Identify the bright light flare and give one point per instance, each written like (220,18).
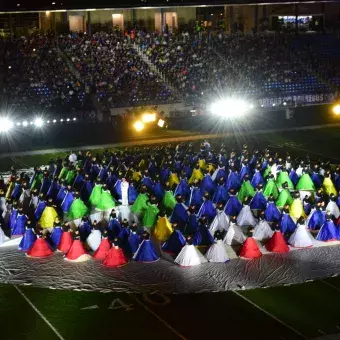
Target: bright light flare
(336,109)
(161,123)
(25,123)
(139,126)
(148,117)
(5,124)
(230,108)
(38,122)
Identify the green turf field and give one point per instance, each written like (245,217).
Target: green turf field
(305,311)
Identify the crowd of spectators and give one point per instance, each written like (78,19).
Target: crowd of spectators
(106,69)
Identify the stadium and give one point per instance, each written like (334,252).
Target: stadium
(168,168)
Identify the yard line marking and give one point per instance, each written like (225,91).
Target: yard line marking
(39,313)
(160,319)
(321,332)
(337,327)
(329,284)
(269,314)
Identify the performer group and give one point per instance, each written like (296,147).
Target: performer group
(196,204)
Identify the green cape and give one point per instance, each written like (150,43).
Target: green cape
(270,189)
(77,210)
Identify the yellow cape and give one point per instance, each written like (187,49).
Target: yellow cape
(10,189)
(328,186)
(163,229)
(201,163)
(136,176)
(210,167)
(196,174)
(48,217)
(173,179)
(296,209)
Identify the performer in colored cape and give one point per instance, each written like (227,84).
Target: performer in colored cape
(328,232)
(207,208)
(78,209)
(103,248)
(163,228)
(28,239)
(246,217)
(175,242)
(250,249)
(262,230)
(287,225)
(95,237)
(202,236)
(56,233)
(146,251)
(221,221)
(115,256)
(190,255)
(218,251)
(277,243)
(234,234)
(272,213)
(77,252)
(48,216)
(66,239)
(40,248)
(301,238)
(233,206)
(20,223)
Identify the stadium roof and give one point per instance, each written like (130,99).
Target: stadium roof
(27,5)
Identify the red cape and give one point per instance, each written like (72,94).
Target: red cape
(102,250)
(65,242)
(250,249)
(77,249)
(338,221)
(40,248)
(114,258)
(277,243)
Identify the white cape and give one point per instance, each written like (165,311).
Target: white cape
(263,231)
(220,222)
(190,256)
(246,217)
(333,209)
(217,252)
(234,235)
(94,239)
(301,238)
(3,237)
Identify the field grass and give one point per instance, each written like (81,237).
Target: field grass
(304,311)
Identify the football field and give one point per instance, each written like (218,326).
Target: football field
(305,311)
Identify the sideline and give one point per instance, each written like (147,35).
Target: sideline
(179,335)
(165,139)
(269,314)
(39,313)
(329,284)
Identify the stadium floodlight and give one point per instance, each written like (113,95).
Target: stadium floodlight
(161,123)
(336,109)
(139,126)
(68,119)
(25,123)
(61,120)
(148,117)
(31,123)
(74,119)
(48,122)
(54,120)
(5,124)
(18,123)
(230,108)
(38,122)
